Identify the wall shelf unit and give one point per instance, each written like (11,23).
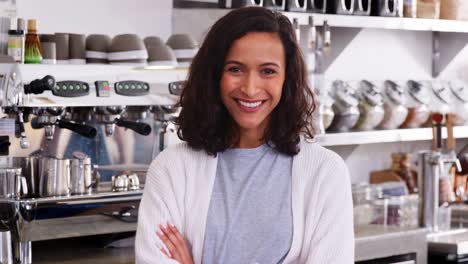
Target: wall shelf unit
(384,136)
(448,36)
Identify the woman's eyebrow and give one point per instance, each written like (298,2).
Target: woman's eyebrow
(269,64)
(233,62)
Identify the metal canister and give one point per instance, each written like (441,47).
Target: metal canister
(81,175)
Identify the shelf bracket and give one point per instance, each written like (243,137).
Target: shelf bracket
(445,47)
(340,38)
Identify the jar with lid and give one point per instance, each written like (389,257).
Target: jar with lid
(323,115)
(441,97)
(460,102)
(410,8)
(366,208)
(16,45)
(394,105)
(428,9)
(370,106)
(417,101)
(345,106)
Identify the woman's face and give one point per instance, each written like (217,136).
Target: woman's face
(252,80)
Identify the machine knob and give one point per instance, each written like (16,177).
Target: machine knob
(38,86)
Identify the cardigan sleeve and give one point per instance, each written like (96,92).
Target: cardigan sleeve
(332,239)
(157,206)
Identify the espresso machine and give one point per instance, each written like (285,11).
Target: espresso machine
(76,142)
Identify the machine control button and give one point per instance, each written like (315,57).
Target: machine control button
(102,88)
(71,89)
(131,88)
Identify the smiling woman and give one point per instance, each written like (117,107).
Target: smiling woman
(247,186)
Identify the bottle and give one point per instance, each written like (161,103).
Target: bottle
(33,44)
(402,166)
(15,45)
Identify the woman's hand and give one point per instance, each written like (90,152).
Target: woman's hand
(175,243)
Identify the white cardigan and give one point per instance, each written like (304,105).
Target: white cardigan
(178,190)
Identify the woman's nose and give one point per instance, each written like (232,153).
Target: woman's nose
(250,86)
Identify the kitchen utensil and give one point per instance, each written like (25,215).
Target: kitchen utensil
(97,46)
(342,7)
(318,6)
(159,53)
(49,55)
(77,49)
(460,102)
(418,97)
(362,7)
(428,9)
(410,8)
(279,5)
(12,183)
(185,47)
(454,9)
(128,49)
(239,3)
(120,183)
(81,174)
(394,105)
(345,106)
(370,106)
(5,248)
(62,42)
(32,51)
(297,5)
(133,182)
(388,8)
(54,177)
(441,97)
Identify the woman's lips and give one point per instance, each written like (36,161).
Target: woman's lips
(249,106)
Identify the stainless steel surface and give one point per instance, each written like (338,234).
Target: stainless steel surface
(12,184)
(80,176)
(451,242)
(22,252)
(377,241)
(5,248)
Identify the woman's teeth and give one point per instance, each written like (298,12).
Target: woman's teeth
(250,104)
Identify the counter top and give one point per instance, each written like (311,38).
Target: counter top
(376,241)
(371,242)
(79,251)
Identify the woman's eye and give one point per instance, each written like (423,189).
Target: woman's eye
(268,71)
(234,69)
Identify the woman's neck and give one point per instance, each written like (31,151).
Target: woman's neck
(251,138)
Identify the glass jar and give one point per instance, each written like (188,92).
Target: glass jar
(428,9)
(394,105)
(441,97)
(323,115)
(345,107)
(460,102)
(402,211)
(370,106)
(410,8)
(367,209)
(418,98)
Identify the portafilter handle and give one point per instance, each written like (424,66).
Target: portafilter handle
(140,128)
(38,86)
(84,130)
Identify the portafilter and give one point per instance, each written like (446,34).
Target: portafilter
(49,117)
(111,116)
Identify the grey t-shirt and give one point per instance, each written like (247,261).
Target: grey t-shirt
(250,214)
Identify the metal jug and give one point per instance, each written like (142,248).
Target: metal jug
(54,177)
(12,183)
(5,248)
(81,181)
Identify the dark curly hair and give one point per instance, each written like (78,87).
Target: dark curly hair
(204,122)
